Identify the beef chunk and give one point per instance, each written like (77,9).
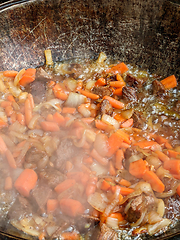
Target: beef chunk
(136,82)
(128,154)
(105,108)
(177,106)
(38,90)
(40,194)
(102,91)
(52,177)
(65,151)
(42,75)
(129,94)
(158,88)
(138,120)
(138,205)
(107,233)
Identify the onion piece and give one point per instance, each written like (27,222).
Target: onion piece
(90,135)
(154,161)
(17,127)
(51,229)
(101,58)
(110,120)
(161,173)
(18,76)
(74,100)
(98,168)
(90,84)
(18,135)
(112,222)
(85,112)
(48,56)
(152,229)
(70,83)
(51,103)
(144,187)
(35,133)
(28,229)
(97,202)
(101,144)
(160,207)
(153,217)
(33,121)
(16,91)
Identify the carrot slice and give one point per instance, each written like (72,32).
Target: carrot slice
(59,119)
(10,159)
(71,207)
(8,183)
(178,190)
(125,182)
(115,103)
(26,182)
(105,186)
(89,94)
(117,215)
(100,82)
(97,157)
(112,170)
(117,84)
(61,187)
(28,112)
(119,159)
(3,124)
(163,157)
(5,104)
(118,91)
(69,110)
(3,147)
(125,191)
(50,126)
(145,144)
(169,82)
(28,77)
(138,168)
(119,68)
(173,154)
(70,236)
(101,125)
(114,142)
(20,118)
(123,136)
(127,123)
(10,73)
(155,182)
(52,205)
(173,166)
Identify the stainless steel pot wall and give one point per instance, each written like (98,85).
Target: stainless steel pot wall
(144,32)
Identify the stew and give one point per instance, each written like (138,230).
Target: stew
(89,144)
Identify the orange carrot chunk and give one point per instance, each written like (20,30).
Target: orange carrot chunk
(127,123)
(89,94)
(173,166)
(178,190)
(3,124)
(99,158)
(138,168)
(155,182)
(169,82)
(100,82)
(50,126)
(163,157)
(119,158)
(52,205)
(28,77)
(10,159)
(119,68)
(70,236)
(61,187)
(114,142)
(3,147)
(26,182)
(10,73)
(125,182)
(105,186)
(71,207)
(115,103)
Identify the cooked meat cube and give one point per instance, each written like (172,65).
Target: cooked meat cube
(158,88)
(102,91)
(42,75)
(107,233)
(105,108)
(40,194)
(52,177)
(129,153)
(129,94)
(136,82)
(65,151)
(138,205)
(138,120)
(38,90)
(177,106)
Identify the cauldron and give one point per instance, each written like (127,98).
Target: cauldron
(141,32)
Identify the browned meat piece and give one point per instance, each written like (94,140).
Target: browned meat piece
(129,94)
(40,194)
(52,177)
(158,88)
(34,155)
(135,81)
(138,120)
(177,106)
(75,69)
(42,75)
(102,91)
(169,183)
(38,90)
(107,233)
(105,108)
(138,205)
(130,152)
(65,151)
